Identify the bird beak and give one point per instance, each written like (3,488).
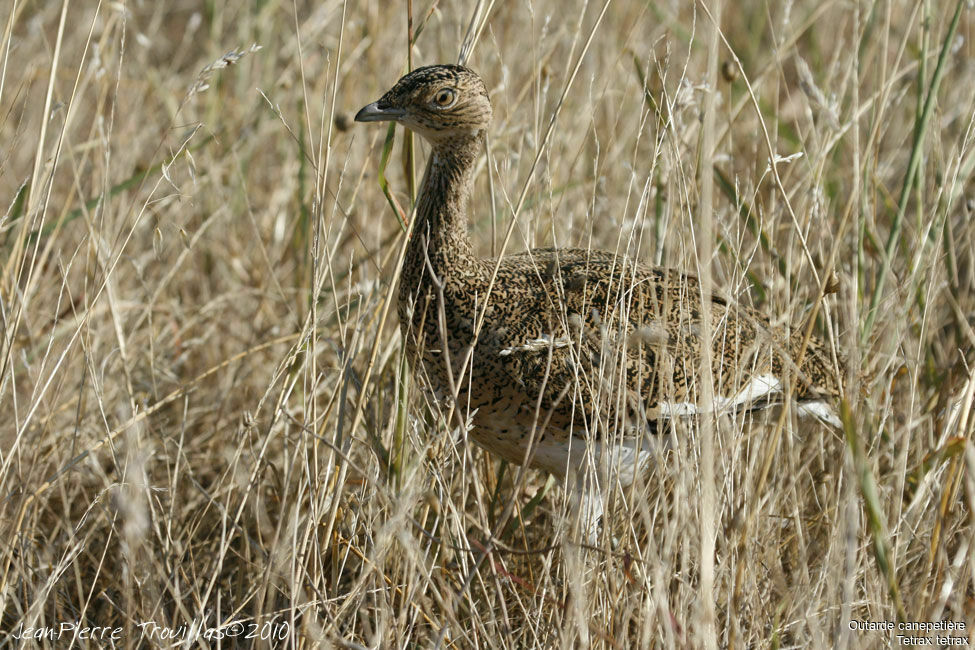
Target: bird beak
(374,113)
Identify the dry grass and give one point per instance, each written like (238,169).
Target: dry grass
(193,277)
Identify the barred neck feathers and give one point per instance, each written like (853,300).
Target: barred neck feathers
(441,210)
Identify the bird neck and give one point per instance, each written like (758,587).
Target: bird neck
(441,212)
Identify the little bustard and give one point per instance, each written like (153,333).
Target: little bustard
(580,350)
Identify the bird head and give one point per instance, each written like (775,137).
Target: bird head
(437,102)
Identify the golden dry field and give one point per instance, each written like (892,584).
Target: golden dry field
(209,435)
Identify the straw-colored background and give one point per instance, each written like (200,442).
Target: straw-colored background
(192,278)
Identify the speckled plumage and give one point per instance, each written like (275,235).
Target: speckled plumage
(576,344)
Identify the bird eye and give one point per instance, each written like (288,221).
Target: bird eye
(444,98)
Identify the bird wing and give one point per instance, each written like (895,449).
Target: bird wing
(606,337)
